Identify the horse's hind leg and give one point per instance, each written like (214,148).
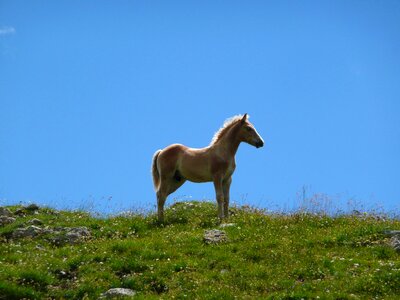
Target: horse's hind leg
(167,186)
(161,197)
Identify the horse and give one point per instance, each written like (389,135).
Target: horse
(175,164)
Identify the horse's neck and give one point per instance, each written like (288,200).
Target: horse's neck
(229,144)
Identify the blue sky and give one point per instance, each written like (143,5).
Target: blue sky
(89,90)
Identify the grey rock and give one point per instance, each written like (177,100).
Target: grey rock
(32,207)
(5,212)
(392,232)
(4,220)
(117,293)
(395,243)
(20,212)
(30,231)
(395,238)
(40,247)
(58,235)
(77,235)
(35,222)
(82,231)
(214,236)
(71,236)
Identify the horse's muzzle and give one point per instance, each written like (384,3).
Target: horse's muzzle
(259,144)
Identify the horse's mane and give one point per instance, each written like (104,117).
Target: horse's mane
(228,124)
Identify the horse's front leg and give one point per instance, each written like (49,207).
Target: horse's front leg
(220,196)
(226,184)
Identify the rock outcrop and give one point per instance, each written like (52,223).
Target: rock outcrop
(69,235)
(5,212)
(28,232)
(4,220)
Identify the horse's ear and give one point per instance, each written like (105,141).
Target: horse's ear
(244,118)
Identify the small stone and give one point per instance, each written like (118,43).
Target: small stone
(62,274)
(40,247)
(214,236)
(5,212)
(35,222)
(4,220)
(117,293)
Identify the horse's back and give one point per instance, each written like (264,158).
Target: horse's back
(173,150)
(191,163)
(169,156)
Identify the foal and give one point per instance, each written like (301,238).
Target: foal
(177,163)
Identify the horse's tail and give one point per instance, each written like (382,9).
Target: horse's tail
(154,170)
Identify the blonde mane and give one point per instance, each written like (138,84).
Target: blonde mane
(228,124)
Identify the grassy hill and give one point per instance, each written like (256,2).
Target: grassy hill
(266,256)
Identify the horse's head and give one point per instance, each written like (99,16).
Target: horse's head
(249,134)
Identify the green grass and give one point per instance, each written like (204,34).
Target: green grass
(274,256)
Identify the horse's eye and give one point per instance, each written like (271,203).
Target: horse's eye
(248,128)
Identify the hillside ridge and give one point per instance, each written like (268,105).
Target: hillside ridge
(53,254)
